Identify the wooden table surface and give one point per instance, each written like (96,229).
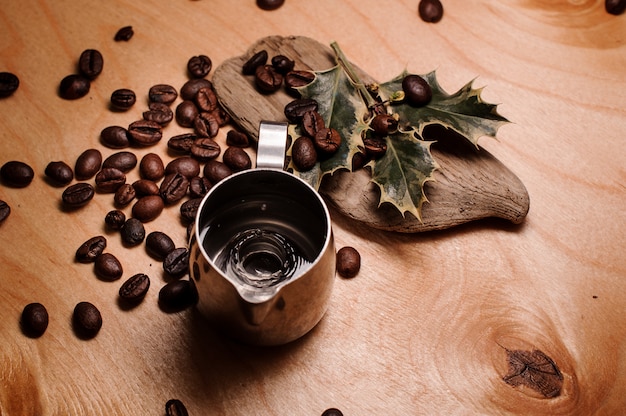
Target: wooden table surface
(426,326)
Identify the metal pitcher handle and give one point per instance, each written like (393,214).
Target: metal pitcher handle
(272,145)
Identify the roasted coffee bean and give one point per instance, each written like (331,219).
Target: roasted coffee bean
(77,195)
(145,187)
(151,167)
(615,7)
(348,262)
(199,186)
(123,99)
(327,141)
(124,161)
(148,208)
(91,249)
(237,139)
(199,66)
(132,232)
(375,147)
(303,154)
(124,195)
(124,34)
(59,172)
(74,86)
(159,245)
(5,211)
(267,79)
(16,174)
(173,188)
(383,124)
(190,89)
(215,171)
(144,132)
(332,412)
(182,142)
(206,99)
(189,209)
(269,4)
(416,90)
(90,63)
(221,116)
(295,110)
(115,219)
(159,113)
(176,263)
(86,320)
(162,93)
(175,407)
(185,165)
(134,289)
(107,267)
(255,61)
(297,79)
(237,159)
(115,137)
(282,64)
(108,180)
(178,295)
(206,125)
(312,122)
(186,113)
(205,149)
(430,11)
(87,164)
(9,83)
(34,320)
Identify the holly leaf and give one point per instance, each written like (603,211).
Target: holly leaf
(464,111)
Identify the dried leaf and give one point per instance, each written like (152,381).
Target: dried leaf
(535,370)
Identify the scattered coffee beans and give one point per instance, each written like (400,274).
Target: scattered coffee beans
(416,90)
(151,167)
(175,407)
(174,187)
(145,132)
(108,180)
(77,195)
(206,99)
(199,66)
(123,161)
(205,149)
(199,186)
(189,209)
(115,137)
(159,113)
(145,187)
(297,79)
(190,89)
(34,320)
(295,110)
(267,79)
(186,113)
(159,245)
(237,159)
(91,249)
(303,154)
(162,93)
(312,122)
(185,165)
(327,141)
(237,138)
(430,11)
(132,232)
(383,124)
(615,7)
(124,34)
(115,219)
(123,99)
(16,174)
(9,83)
(86,320)
(74,86)
(282,64)
(206,125)
(148,208)
(90,63)
(124,195)
(87,164)
(269,4)
(182,142)
(255,61)
(60,173)
(176,263)
(215,171)
(5,211)
(177,295)
(107,267)
(348,262)
(332,412)
(135,288)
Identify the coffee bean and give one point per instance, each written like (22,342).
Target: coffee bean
(175,407)
(145,187)
(215,171)
(74,86)
(430,11)
(123,99)
(375,147)
(151,167)
(282,64)
(60,173)
(159,245)
(90,63)
(176,263)
(221,116)
(416,90)
(107,267)
(259,58)
(269,4)
(124,34)
(132,232)
(205,149)
(159,113)
(177,295)
(185,165)
(91,249)
(145,132)
(5,211)
(189,209)
(199,66)
(77,195)
(148,208)
(87,164)
(173,188)
(267,79)
(115,137)
(332,412)
(348,262)
(190,89)
(115,219)
(182,142)
(186,113)
(295,110)
(206,99)
(134,289)
(327,141)
(108,180)
(615,7)
(237,138)
(123,161)
(86,320)
(312,122)
(16,174)
(199,186)
(297,79)
(124,195)
(383,124)
(237,159)
(34,320)
(9,83)
(206,125)
(162,93)
(303,154)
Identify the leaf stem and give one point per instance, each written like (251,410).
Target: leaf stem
(349,69)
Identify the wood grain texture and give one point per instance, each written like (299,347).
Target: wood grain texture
(426,325)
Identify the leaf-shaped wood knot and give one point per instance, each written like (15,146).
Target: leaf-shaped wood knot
(535,370)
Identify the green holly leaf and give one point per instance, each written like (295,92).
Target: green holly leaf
(464,111)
